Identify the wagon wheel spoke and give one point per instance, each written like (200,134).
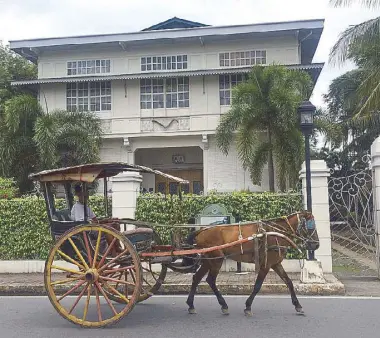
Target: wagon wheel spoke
(71,260)
(98,305)
(88,250)
(107,252)
(78,253)
(72,290)
(64,281)
(106,298)
(97,248)
(115,291)
(87,301)
(78,298)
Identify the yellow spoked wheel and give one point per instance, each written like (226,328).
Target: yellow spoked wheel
(153,276)
(80,271)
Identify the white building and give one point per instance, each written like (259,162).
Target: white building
(160,92)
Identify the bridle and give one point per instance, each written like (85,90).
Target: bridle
(303,223)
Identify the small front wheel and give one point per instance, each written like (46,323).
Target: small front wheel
(80,283)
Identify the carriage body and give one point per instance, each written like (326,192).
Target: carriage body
(81,247)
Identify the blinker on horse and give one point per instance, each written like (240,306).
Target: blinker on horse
(270,239)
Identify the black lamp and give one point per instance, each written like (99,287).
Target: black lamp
(306,113)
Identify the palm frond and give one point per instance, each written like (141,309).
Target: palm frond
(370,90)
(258,160)
(365,3)
(21,109)
(359,35)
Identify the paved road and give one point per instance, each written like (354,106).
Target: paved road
(167,317)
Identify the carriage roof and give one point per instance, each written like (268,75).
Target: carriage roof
(94,171)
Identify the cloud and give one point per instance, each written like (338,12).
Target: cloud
(26,19)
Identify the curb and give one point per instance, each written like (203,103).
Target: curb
(313,289)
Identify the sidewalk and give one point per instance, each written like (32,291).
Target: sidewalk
(229,283)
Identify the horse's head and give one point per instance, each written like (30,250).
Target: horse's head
(303,224)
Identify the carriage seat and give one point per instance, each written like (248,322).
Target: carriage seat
(62,215)
(141,238)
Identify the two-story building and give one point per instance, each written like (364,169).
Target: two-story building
(161,91)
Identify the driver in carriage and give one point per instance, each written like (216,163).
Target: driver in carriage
(77,211)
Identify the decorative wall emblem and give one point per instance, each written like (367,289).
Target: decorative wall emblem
(177,159)
(165,124)
(106,126)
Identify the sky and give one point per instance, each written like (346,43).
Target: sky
(27,19)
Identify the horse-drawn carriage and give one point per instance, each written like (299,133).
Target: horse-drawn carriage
(96,263)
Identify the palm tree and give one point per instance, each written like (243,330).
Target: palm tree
(361,36)
(263,117)
(31,139)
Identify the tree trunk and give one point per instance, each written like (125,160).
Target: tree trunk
(270,164)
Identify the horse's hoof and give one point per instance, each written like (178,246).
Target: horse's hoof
(192,311)
(300,311)
(225,311)
(247,313)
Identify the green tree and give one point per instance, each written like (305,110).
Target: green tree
(264,122)
(363,36)
(13,68)
(33,140)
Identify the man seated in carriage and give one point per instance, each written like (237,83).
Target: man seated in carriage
(77,211)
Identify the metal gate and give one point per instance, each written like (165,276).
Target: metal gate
(352,224)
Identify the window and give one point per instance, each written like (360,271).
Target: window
(164,93)
(88,67)
(247,58)
(150,63)
(88,96)
(226,83)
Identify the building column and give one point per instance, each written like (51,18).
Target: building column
(205,163)
(375,162)
(130,152)
(125,190)
(321,211)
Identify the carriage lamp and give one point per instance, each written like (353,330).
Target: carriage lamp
(306,117)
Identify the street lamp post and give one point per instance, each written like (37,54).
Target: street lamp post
(306,114)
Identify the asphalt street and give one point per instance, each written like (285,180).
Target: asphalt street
(166,316)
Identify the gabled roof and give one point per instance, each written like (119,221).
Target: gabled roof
(174,23)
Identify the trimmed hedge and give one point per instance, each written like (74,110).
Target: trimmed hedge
(8,189)
(243,206)
(24,231)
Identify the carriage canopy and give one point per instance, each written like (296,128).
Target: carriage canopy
(94,171)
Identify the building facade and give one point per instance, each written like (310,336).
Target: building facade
(160,92)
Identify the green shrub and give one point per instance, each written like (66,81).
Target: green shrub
(24,230)
(244,206)
(8,189)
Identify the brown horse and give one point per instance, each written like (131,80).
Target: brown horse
(271,252)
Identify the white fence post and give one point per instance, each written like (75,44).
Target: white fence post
(125,190)
(321,211)
(375,162)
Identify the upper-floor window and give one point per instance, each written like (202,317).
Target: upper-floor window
(149,63)
(226,83)
(88,96)
(88,67)
(247,58)
(164,93)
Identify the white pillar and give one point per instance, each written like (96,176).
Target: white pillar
(375,162)
(125,190)
(320,205)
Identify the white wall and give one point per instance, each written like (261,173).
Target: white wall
(283,50)
(225,173)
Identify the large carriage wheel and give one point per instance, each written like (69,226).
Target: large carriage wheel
(153,276)
(87,275)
